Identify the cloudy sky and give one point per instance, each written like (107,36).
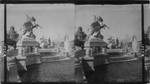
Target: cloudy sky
(146,16)
(1,22)
(57,20)
(124,20)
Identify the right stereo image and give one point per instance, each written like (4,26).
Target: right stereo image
(110,37)
(147,41)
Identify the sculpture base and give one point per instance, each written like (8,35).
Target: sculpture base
(27,42)
(95,42)
(33,59)
(12,70)
(21,63)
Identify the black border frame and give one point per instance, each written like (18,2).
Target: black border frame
(76,2)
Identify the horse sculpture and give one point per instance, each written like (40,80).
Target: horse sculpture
(28,27)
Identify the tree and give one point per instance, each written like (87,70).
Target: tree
(117,41)
(49,41)
(12,37)
(147,36)
(12,34)
(80,37)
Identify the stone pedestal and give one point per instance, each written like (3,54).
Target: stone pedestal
(95,46)
(27,48)
(2,69)
(21,63)
(36,50)
(12,70)
(33,59)
(1,62)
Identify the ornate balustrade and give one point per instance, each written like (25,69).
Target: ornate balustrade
(28,53)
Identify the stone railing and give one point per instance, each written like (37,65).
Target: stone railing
(27,55)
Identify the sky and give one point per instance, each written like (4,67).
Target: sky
(57,20)
(1,22)
(124,20)
(146,16)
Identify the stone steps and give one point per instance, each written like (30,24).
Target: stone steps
(54,58)
(123,58)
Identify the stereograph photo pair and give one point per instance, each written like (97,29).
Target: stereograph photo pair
(75,43)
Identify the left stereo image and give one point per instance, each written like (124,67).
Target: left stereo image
(1,42)
(40,42)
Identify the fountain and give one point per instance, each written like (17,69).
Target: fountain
(27,46)
(99,59)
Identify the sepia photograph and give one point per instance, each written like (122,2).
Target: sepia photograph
(147,41)
(108,43)
(1,43)
(78,1)
(40,42)
(75,43)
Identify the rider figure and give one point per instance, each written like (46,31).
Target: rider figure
(28,26)
(96,26)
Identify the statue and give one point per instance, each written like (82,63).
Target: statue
(113,43)
(44,43)
(28,27)
(49,42)
(96,27)
(95,43)
(135,45)
(67,45)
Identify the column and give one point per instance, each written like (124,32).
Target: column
(20,51)
(27,49)
(30,49)
(103,50)
(87,51)
(23,50)
(36,49)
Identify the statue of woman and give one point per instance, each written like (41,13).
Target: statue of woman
(67,45)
